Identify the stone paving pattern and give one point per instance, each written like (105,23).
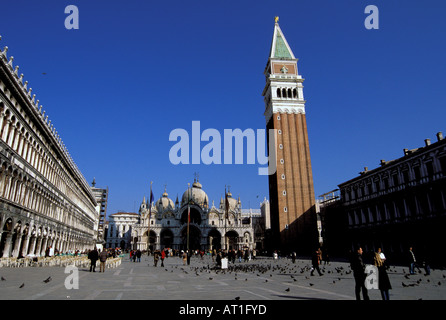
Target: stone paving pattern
(260,279)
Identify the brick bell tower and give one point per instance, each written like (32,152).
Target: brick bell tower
(292,201)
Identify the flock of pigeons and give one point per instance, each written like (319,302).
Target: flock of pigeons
(267,269)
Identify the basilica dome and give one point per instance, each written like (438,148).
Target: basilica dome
(195,194)
(164,202)
(233,203)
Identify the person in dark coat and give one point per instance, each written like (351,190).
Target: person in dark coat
(93,255)
(218,259)
(293,257)
(358,268)
(383,278)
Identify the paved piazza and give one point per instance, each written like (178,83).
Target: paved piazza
(260,279)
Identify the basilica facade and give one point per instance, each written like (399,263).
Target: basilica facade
(194,223)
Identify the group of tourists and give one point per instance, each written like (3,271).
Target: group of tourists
(101,255)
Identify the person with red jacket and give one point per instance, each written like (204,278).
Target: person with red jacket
(163,255)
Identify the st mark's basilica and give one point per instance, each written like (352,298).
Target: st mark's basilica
(165,223)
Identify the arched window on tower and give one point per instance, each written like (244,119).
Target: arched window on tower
(279,93)
(295,93)
(289,93)
(284,93)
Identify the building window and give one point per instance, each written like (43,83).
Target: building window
(278,117)
(417,173)
(283,177)
(386,183)
(285,209)
(282,161)
(377,186)
(395,180)
(280,146)
(430,169)
(279,131)
(284,192)
(369,188)
(443,165)
(405,176)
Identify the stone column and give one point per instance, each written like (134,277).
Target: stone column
(33,241)
(25,245)
(38,245)
(43,246)
(18,242)
(7,248)
(6,130)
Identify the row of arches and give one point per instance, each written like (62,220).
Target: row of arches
(25,191)
(214,239)
(214,218)
(21,239)
(287,93)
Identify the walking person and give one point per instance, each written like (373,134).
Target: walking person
(163,256)
(93,256)
(325,257)
(315,260)
(218,259)
(102,259)
(412,261)
(156,257)
(138,255)
(293,257)
(383,278)
(246,256)
(358,268)
(184,256)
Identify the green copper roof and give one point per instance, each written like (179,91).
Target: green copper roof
(281,48)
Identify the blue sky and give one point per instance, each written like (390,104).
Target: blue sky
(136,70)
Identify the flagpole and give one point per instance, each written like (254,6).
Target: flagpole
(188,215)
(150,214)
(226,217)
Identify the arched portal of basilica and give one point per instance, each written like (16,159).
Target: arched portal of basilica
(209,227)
